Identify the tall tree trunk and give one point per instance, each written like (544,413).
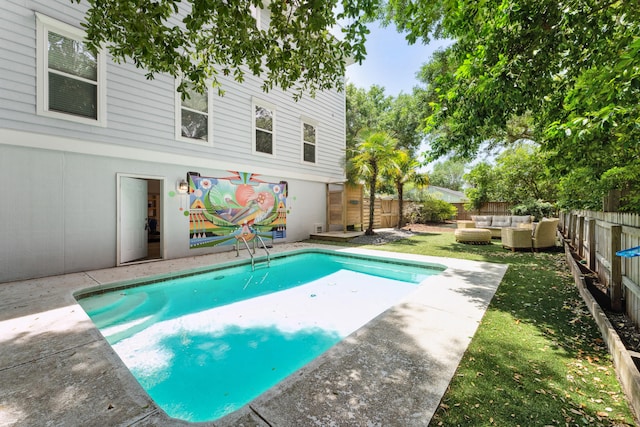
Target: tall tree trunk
(372,200)
(400,188)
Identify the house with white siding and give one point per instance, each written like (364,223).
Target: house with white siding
(101,167)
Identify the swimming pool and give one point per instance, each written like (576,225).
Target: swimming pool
(203,345)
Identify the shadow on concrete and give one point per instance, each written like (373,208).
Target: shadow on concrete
(380,375)
(67,378)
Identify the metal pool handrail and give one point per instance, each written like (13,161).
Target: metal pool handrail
(266,250)
(246,245)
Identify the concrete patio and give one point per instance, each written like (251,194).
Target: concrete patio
(57,369)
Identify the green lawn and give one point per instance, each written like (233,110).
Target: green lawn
(538,358)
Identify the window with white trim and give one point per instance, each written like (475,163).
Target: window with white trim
(309,138)
(193,115)
(71,79)
(264,117)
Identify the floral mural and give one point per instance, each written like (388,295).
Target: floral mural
(238,207)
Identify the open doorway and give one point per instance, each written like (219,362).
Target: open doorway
(140,219)
(153,219)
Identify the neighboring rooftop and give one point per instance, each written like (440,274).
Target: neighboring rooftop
(446,194)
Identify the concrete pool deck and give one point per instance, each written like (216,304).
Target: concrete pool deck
(57,369)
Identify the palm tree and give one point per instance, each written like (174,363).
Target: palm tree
(404,169)
(372,155)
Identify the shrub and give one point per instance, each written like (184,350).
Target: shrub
(431,210)
(537,208)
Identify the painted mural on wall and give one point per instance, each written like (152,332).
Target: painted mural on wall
(241,206)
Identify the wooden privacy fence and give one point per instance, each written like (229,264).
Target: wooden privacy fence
(348,209)
(489,208)
(385,212)
(596,237)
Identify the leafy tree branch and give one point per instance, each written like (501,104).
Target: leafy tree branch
(199,40)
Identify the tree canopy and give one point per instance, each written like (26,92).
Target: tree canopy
(199,40)
(448,174)
(372,157)
(520,176)
(402,170)
(571,67)
(403,121)
(372,109)
(365,110)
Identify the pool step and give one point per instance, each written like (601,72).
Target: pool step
(256,262)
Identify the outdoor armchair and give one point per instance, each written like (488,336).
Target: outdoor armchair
(545,233)
(516,238)
(542,236)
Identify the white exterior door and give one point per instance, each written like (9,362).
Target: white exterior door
(133,219)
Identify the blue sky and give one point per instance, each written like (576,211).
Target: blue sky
(391,62)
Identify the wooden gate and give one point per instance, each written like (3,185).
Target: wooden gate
(388,213)
(385,212)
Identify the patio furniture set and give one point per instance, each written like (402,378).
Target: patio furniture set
(515,231)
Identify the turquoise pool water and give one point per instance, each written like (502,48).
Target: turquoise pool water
(206,344)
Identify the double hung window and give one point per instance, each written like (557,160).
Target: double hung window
(71,81)
(193,120)
(264,117)
(309,137)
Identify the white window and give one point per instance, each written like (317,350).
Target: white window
(193,116)
(309,139)
(71,80)
(264,121)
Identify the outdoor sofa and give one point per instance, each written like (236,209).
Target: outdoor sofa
(495,223)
